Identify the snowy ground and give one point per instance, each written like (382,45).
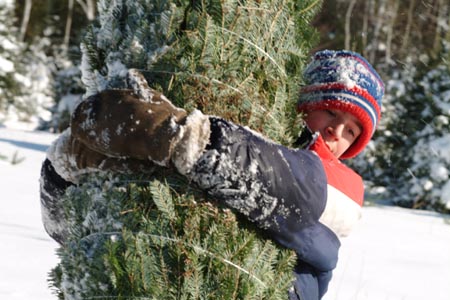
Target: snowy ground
(395,254)
(26,252)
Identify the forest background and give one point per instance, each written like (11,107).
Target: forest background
(408,42)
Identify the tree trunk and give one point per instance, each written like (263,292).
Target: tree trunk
(409,22)
(25,19)
(441,23)
(379,23)
(88,8)
(347,24)
(68,25)
(365,27)
(390,30)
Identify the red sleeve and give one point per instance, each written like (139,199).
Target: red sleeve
(339,175)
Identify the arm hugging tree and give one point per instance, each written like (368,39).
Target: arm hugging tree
(152,235)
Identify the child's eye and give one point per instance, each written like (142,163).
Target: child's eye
(331,113)
(352,132)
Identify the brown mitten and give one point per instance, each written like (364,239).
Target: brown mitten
(120,123)
(71,159)
(87,158)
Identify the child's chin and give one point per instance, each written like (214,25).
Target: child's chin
(332,150)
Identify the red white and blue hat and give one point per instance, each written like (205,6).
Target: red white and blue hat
(344,80)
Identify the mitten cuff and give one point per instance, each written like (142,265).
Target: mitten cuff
(60,155)
(191,141)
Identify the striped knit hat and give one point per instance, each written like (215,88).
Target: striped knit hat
(344,80)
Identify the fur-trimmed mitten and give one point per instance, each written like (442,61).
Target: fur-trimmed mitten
(71,158)
(121,123)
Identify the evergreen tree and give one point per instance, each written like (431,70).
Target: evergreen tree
(24,73)
(10,85)
(157,237)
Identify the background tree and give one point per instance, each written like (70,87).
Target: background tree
(407,41)
(51,57)
(387,32)
(25,19)
(23,76)
(9,85)
(155,235)
(409,157)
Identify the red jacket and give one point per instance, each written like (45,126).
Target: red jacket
(345,192)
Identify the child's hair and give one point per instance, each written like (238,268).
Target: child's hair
(344,80)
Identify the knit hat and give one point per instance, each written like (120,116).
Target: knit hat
(344,80)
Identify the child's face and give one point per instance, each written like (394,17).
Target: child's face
(339,129)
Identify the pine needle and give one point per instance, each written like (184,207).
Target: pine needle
(259,49)
(163,199)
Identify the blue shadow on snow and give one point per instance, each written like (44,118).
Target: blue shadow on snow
(28,145)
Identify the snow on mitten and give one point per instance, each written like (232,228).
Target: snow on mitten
(121,123)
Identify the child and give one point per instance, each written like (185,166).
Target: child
(304,198)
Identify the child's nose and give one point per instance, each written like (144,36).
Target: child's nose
(336,131)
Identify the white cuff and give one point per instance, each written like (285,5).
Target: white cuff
(191,141)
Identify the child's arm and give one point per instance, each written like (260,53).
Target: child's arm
(282,190)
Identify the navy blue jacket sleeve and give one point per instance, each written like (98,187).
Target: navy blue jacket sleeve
(282,190)
(265,181)
(52,189)
(309,284)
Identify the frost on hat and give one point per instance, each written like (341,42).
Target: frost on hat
(344,80)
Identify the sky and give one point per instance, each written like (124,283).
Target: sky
(393,254)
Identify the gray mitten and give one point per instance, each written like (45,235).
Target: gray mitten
(121,123)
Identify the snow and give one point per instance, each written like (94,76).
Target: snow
(440,146)
(394,253)
(6,66)
(27,253)
(6,2)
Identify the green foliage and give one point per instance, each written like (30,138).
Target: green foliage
(156,239)
(241,60)
(161,239)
